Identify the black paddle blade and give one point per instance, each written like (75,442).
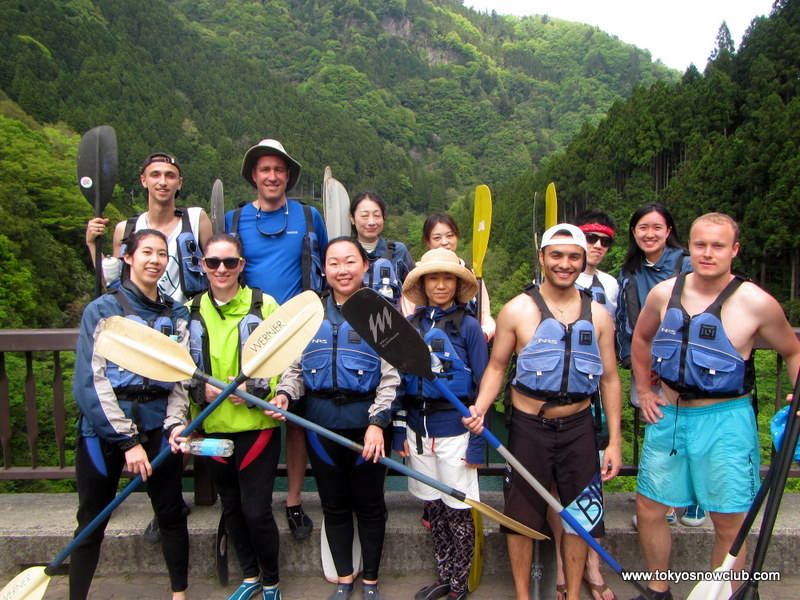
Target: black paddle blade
(748,591)
(97,166)
(388,333)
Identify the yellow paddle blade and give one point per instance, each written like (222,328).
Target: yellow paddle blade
(31,584)
(476,568)
(550,206)
(481,227)
(282,336)
(143,350)
(498,517)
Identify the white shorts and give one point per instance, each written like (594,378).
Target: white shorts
(443,459)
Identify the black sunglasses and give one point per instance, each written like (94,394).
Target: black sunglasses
(605,241)
(282,229)
(231,262)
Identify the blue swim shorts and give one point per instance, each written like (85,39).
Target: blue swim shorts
(705,455)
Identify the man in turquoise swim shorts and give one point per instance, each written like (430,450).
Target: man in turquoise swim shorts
(697,331)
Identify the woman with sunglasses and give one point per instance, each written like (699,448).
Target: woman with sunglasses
(389,261)
(221,320)
(348,388)
(125,419)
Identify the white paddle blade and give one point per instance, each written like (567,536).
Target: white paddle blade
(31,584)
(715,590)
(282,336)
(337,209)
(143,350)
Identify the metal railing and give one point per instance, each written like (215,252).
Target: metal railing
(56,341)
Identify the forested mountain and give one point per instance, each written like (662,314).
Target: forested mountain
(419,99)
(725,140)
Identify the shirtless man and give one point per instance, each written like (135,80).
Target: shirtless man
(533,325)
(710,455)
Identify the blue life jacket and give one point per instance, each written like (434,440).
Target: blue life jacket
(199,348)
(339,366)
(423,394)
(561,364)
(192,278)
(127,385)
(310,256)
(597,291)
(694,356)
(382,272)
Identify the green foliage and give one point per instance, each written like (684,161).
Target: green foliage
(724,141)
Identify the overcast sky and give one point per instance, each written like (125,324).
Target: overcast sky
(678,32)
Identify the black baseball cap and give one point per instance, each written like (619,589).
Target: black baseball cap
(161,157)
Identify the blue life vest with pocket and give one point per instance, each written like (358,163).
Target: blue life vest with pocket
(128,385)
(192,278)
(597,291)
(693,355)
(457,376)
(561,364)
(199,345)
(381,272)
(339,366)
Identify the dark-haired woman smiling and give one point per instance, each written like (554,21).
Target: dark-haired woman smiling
(347,388)
(125,419)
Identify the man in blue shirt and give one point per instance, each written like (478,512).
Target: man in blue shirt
(283,244)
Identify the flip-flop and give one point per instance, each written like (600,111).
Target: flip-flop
(599,588)
(561,591)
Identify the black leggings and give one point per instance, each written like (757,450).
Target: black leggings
(245,482)
(348,484)
(98,466)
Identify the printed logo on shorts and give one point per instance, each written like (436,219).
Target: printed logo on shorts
(708,332)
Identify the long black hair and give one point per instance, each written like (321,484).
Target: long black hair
(635,257)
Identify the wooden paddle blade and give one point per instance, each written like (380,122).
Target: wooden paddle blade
(31,584)
(476,567)
(336,209)
(143,350)
(550,206)
(285,332)
(97,166)
(498,517)
(217,207)
(387,332)
(481,227)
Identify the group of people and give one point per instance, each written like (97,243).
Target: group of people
(567,332)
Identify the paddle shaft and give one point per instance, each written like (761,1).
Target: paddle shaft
(335,437)
(520,468)
(783,461)
(137,481)
(358,448)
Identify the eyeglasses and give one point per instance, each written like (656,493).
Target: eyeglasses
(282,229)
(230,262)
(605,241)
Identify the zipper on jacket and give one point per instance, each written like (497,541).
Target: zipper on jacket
(334,378)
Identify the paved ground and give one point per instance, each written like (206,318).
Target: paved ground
(398,587)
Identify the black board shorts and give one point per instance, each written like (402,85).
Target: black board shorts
(562,450)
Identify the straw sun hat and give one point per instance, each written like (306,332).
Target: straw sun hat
(440,261)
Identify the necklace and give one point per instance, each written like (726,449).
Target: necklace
(552,304)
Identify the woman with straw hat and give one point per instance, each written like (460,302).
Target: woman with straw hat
(434,439)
